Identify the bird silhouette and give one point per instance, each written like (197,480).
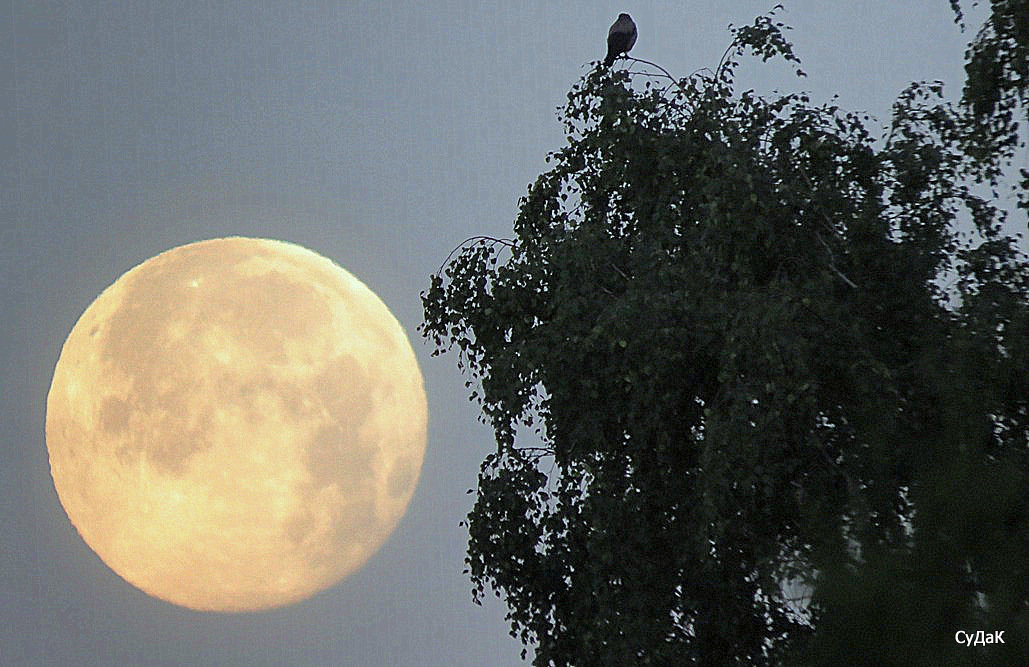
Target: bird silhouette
(620,38)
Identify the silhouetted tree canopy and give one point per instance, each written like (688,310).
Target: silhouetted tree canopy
(997,84)
(780,403)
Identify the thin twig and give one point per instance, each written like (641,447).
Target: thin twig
(828,220)
(832,262)
(666,72)
(722,59)
(620,272)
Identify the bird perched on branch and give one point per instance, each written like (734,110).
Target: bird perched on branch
(620,38)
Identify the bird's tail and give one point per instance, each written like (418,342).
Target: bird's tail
(610,59)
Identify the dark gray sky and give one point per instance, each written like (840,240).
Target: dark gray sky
(377,134)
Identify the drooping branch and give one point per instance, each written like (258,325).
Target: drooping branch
(507,243)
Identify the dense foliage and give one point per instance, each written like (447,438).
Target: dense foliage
(780,404)
(997,85)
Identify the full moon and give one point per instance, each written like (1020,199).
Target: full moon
(236,424)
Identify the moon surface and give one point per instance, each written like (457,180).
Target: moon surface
(236,424)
